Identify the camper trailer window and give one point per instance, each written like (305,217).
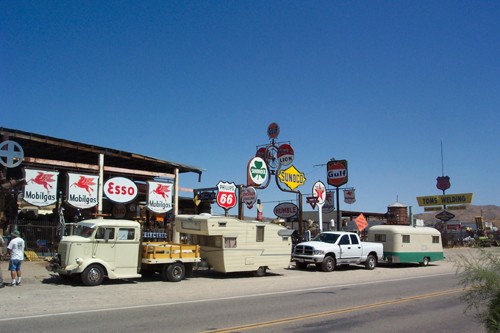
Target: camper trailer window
(406,238)
(222,224)
(435,239)
(230,242)
(380,238)
(260,233)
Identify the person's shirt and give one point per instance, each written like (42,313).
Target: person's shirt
(16,247)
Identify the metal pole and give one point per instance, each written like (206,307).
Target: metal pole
(339,215)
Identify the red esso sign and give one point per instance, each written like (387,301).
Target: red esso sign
(119,189)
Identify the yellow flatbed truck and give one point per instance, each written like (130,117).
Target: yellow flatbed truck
(114,249)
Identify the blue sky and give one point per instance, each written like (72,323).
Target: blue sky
(378,83)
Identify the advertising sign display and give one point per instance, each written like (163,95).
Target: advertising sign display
(319,191)
(82,190)
(120,189)
(329,206)
(249,196)
(226,197)
(349,196)
(448,199)
(337,173)
(159,197)
(41,187)
(273,130)
(292,178)
(257,172)
(285,154)
(11,154)
(285,210)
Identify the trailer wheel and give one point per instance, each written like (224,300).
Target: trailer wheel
(328,264)
(371,262)
(261,271)
(174,272)
(93,275)
(425,262)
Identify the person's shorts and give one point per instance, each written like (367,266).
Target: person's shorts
(15,265)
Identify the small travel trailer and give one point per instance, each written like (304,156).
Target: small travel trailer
(406,244)
(228,244)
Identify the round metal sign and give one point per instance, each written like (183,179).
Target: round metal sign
(273,130)
(11,154)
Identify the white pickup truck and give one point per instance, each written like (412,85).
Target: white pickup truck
(332,248)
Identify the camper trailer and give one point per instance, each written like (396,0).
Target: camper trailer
(228,244)
(406,244)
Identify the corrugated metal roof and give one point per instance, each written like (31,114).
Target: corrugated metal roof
(46,147)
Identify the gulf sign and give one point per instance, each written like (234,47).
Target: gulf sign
(273,130)
(286,210)
(285,154)
(120,189)
(337,173)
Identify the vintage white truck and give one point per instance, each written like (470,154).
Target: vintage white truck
(114,249)
(332,248)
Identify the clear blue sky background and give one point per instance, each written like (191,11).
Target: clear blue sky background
(378,83)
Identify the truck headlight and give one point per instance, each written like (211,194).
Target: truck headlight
(79,261)
(316,252)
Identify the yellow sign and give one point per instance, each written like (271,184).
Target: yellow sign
(447,199)
(292,177)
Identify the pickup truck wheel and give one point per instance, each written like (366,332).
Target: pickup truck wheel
(174,272)
(425,262)
(328,264)
(93,275)
(261,271)
(371,262)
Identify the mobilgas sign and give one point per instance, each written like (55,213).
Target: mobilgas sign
(286,210)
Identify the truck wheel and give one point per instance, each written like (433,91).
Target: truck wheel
(425,262)
(371,262)
(93,275)
(261,271)
(328,264)
(174,272)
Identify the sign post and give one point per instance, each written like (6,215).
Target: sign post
(337,176)
(319,191)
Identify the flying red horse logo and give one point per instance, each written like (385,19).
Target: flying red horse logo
(85,183)
(162,190)
(43,179)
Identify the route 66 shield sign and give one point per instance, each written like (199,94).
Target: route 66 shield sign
(226,196)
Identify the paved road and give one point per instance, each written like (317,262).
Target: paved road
(44,300)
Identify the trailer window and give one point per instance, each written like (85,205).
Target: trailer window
(380,238)
(406,238)
(230,242)
(260,233)
(209,241)
(435,239)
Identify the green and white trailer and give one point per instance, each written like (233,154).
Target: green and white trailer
(407,244)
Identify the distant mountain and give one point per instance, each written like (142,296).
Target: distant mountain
(490,213)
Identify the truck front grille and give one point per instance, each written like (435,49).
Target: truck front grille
(304,249)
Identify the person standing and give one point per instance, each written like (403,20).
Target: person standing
(16,251)
(2,243)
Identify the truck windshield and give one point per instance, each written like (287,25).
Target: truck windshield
(327,238)
(84,230)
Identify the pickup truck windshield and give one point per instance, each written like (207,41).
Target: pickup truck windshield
(84,230)
(327,238)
